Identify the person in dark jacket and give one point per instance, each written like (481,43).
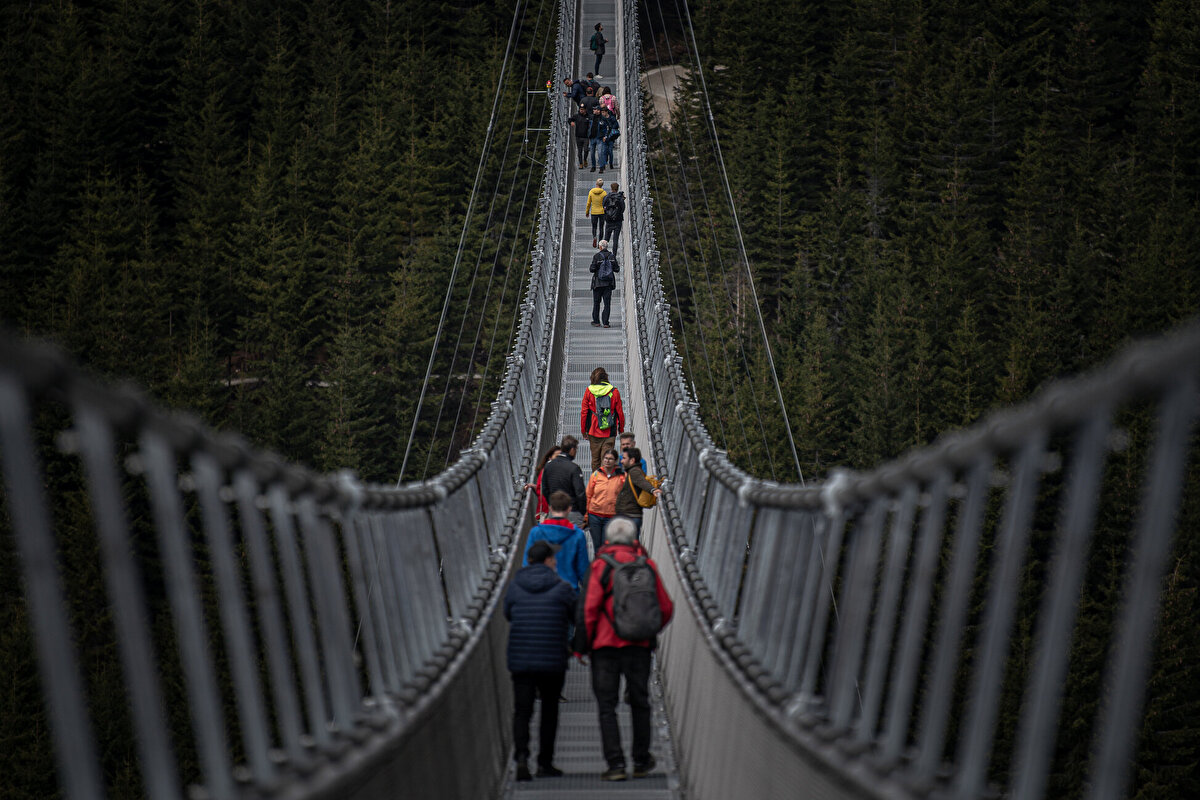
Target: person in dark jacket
(575,91)
(582,125)
(563,474)
(613,656)
(539,605)
(610,130)
(596,44)
(627,504)
(616,220)
(603,285)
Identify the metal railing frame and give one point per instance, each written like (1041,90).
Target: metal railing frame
(372,605)
(816,602)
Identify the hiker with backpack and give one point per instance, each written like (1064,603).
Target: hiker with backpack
(601,417)
(596,45)
(638,492)
(604,269)
(540,607)
(609,131)
(614,215)
(608,100)
(575,91)
(624,606)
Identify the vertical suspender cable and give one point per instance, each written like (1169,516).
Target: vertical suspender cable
(462,240)
(737,226)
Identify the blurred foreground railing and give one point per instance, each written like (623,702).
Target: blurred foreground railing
(908,631)
(256,629)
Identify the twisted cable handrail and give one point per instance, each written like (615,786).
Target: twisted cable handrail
(866,706)
(371,604)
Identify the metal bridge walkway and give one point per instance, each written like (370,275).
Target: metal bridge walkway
(577,751)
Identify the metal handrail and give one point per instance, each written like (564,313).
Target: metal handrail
(369,602)
(820,602)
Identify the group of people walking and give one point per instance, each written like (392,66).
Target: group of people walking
(611,606)
(595,123)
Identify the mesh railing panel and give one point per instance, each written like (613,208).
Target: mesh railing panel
(908,630)
(276,632)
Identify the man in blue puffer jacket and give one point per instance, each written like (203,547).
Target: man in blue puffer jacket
(539,604)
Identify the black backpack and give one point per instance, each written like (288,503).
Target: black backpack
(593,44)
(636,614)
(614,207)
(605,277)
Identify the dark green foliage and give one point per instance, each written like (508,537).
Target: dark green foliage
(945,205)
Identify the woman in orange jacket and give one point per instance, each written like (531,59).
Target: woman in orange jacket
(602,490)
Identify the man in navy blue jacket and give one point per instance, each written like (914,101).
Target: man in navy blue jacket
(539,605)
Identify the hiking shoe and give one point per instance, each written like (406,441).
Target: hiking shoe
(523,771)
(614,774)
(607,325)
(549,772)
(642,770)
(593,169)
(602,170)
(594,242)
(595,324)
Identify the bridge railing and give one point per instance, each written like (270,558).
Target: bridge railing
(325,637)
(889,627)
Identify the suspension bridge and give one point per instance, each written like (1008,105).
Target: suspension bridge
(845,639)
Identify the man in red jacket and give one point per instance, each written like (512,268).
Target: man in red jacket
(601,417)
(613,656)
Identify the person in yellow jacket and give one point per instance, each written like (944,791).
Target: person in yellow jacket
(595,209)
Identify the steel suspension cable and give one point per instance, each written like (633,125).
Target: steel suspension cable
(741,242)
(704,263)
(687,126)
(487,293)
(461,243)
(493,193)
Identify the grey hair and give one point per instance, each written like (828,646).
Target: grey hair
(604,244)
(620,531)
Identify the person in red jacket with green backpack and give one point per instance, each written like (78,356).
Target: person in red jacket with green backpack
(602,416)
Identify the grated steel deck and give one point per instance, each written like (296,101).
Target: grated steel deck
(577,751)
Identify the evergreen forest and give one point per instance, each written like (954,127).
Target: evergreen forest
(257,211)
(944,206)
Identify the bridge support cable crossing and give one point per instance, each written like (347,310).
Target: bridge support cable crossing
(369,658)
(847,707)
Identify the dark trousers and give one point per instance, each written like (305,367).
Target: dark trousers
(581,146)
(526,686)
(596,526)
(613,229)
(598,225)
(608,665)
(602,294)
